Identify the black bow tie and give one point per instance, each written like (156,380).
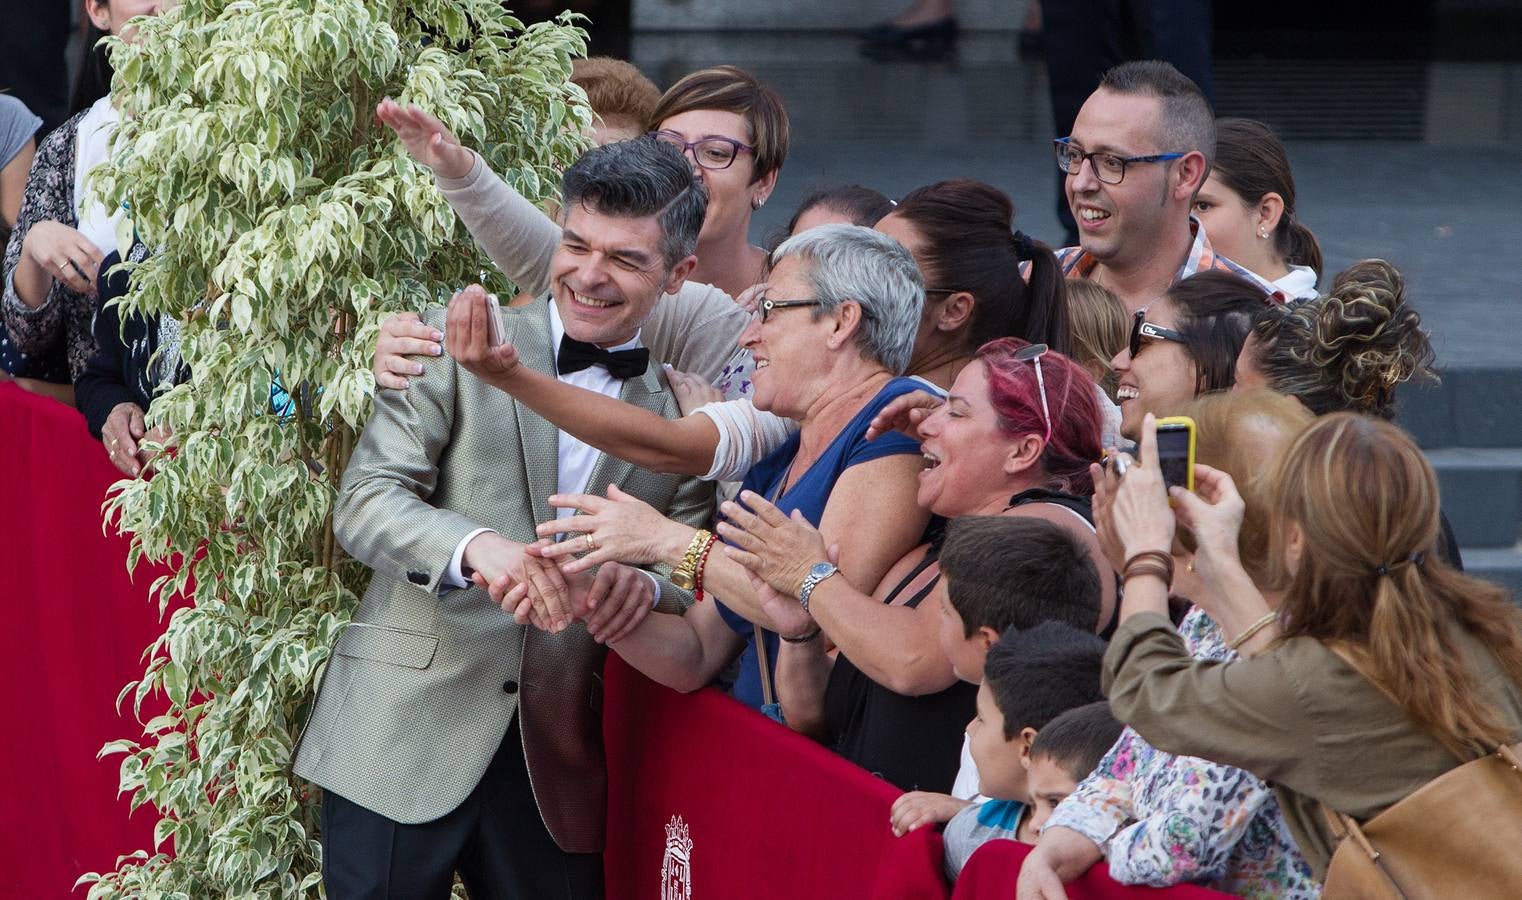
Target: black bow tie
(577,355)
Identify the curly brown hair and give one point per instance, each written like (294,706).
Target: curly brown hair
(1347,350)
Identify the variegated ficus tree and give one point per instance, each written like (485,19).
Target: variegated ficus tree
(284,223)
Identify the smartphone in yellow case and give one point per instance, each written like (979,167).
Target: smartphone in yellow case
(1175,451)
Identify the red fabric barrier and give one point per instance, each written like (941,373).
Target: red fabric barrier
(768,813)
(994,870)
(75,629)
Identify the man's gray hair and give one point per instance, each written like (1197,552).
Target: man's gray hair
(850,262)
(638,178)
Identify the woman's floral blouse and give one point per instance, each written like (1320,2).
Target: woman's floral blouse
(1164,819)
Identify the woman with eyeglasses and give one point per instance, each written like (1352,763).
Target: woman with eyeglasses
(1014,437)
(1182,345)
(733,129)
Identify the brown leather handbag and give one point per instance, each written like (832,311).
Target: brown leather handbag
(1458,836)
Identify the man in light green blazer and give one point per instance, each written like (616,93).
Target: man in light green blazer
(448,737)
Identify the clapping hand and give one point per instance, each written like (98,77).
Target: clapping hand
(776,549)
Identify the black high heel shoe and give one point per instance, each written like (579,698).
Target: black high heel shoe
(929,41)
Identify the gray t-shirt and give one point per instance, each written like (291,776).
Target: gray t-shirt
(975,826)
(17,126)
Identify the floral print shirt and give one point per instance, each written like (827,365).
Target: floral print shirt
(53,341)
(1164,819)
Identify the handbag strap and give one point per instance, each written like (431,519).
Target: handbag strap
(768,693)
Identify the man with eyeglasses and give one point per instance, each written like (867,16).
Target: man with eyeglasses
(1140,149)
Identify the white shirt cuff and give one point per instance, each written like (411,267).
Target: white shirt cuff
(656,583)
(455,576)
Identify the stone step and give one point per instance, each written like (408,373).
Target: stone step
(1472,407)
(1500,565)
(1482,493)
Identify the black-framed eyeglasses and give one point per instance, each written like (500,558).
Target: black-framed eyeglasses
(1032,353)
(713,152)
(1142,330)
(1108,167)
(768,305)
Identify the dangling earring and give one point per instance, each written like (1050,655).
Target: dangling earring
(1262,234)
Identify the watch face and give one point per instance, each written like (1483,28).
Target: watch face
(821,570)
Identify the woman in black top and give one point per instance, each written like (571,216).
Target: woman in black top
(889,700)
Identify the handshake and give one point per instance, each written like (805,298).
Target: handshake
(535,590)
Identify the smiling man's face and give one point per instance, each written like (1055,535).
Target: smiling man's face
(607,275)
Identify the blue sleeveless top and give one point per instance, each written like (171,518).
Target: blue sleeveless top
(809,494)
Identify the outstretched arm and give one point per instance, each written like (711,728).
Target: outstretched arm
(682,446)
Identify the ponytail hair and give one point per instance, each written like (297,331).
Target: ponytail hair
(969,245)
(1251,160)
(1046,311)
(1298,244)
(1370,585)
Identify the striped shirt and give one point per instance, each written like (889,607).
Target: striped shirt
(1202,257)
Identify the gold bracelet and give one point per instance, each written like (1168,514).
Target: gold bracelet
(1252,629)
(684,576)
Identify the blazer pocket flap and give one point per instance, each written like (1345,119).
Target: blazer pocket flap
(412,649)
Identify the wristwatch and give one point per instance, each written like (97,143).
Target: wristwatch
(818,573)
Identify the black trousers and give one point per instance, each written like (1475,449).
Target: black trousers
(1084,38)
(495,840)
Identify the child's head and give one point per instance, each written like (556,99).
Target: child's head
(1030,678)
(1006,572)
(1064,753)
(1100,326)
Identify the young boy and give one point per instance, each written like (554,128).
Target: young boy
(1001,572)
(1029,678)
(1064,753)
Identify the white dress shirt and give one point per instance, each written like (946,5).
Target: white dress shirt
(576,459)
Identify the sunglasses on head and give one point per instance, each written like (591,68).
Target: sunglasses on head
(1142,330)
(1032,354)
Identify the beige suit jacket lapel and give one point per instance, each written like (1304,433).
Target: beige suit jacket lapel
(538,440)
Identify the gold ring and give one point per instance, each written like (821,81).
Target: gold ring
(591,542)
